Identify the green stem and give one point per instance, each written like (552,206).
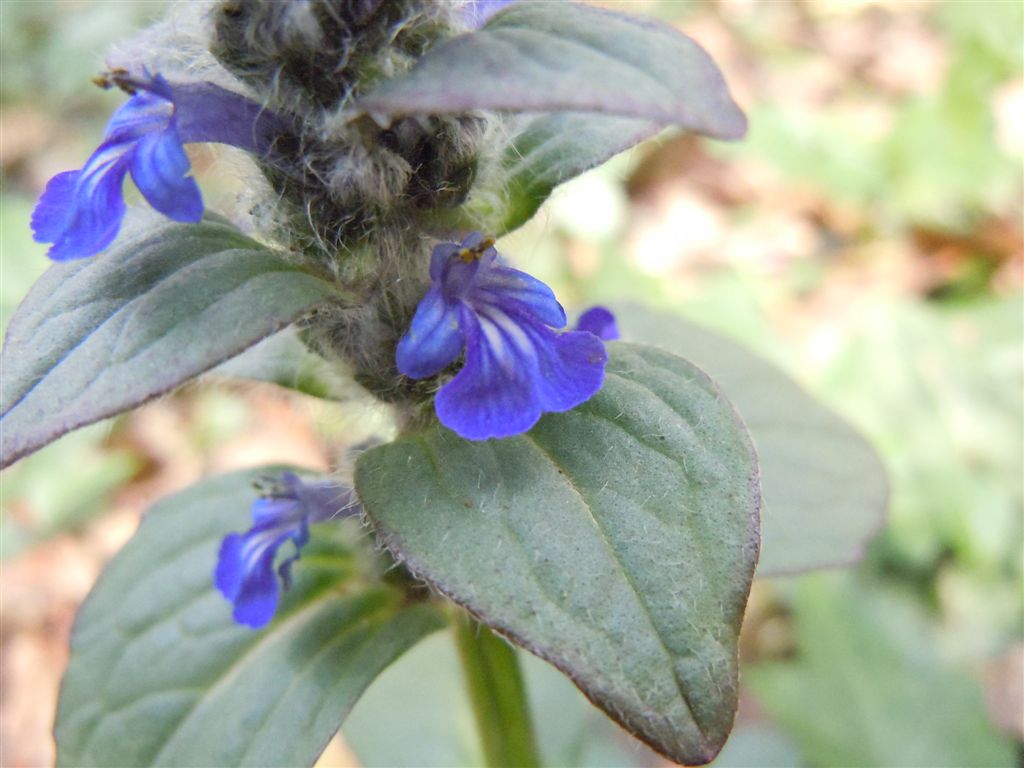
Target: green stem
(498,696)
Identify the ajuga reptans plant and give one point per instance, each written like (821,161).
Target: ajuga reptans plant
(593,501)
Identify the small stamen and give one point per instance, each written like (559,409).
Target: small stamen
(474,253)
(118,77)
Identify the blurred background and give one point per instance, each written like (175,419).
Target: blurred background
(866,237)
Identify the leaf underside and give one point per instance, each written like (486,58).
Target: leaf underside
(564,57)
(98,336)
(584,84)
(617,541)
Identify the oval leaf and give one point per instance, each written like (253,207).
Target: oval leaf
(161,675)
(564,57)
(825,489)
(98,336)
(617,541)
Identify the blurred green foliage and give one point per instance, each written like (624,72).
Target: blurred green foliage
(21,259)
(870,685)
(937,162)
(36,507)
(50,48)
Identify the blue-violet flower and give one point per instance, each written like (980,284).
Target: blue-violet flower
(245,567)
(599,321)
(517,366)
(80,212)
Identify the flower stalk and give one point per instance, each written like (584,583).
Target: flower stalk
(498,696)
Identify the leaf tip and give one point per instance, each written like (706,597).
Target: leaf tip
(731,123)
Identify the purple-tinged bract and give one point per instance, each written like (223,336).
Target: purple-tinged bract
(517,366)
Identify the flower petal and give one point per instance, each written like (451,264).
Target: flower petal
(53,211)
(517,366)
(495,393)
(246,578)
(519,293)
(143,114)
(160,169)
(300,538)
(229,574)
(81,211)
(97,206)
(245,572)
(434,338)
(94,207)
(570,367)
(275,512)
(599,321)
(245,575)
(204,112)
(439,258)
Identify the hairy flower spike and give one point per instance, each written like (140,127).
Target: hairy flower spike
(341,180)
(517,366)
(245,566)
(80,212)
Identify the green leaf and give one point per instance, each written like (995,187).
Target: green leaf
(166,302)
(869,687)
(284,359)
(825,489)
(564,57)
(544,152)
(161,675)
(617,541)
